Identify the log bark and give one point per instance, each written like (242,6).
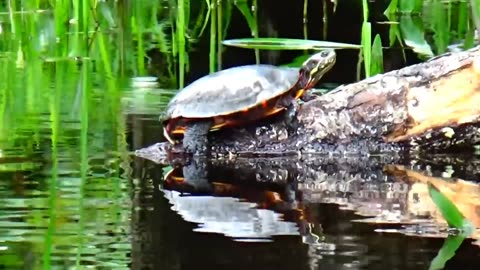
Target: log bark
(430,106)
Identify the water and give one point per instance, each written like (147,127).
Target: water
(345,215)
(74,195)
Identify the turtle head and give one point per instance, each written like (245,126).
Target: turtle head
(316,66)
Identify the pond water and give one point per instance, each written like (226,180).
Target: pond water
(75,195)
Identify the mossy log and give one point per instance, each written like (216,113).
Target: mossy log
(431,106)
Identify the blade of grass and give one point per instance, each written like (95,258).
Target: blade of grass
(201,21)
(123,8)
(54,105)
(366,39)
(181,32)
(367,47)
(85,81)
(11,13)
(3,99)
(61,11)
(462,19)
(77,9)
(449,211)
(451,244)
(286,44)
(377,56)
(470,36)
(227,16)
(137,28)
(305,18)
(410,6)
(475,8)
(440,27)
(213,37)
(255,30)
(107,64)
(392,8)
(325,19)
(251,19)
(205,20)
(219,34)
(414,35)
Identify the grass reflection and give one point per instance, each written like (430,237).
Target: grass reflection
(64,199)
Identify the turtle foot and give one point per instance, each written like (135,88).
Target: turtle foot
(195,139)
(291,120)
(308,96)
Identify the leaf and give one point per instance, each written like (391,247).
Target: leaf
(285,44)
(410,6)
(449,211)
(376,65)
(392,8)
(451,244)
(367,46)
(413,35)
(247,14)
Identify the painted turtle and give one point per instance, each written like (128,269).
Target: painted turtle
(239,95)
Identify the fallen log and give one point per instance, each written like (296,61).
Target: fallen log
(430,106)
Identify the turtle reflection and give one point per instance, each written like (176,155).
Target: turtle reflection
(252,202)
(261,198)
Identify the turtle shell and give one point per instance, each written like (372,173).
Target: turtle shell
(231,90)
(227,93)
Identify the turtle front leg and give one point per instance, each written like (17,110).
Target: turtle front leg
(290,118)
(195,140)
(307,96)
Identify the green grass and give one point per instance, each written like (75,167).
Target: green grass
(60,91)
(175,30)
(455,220)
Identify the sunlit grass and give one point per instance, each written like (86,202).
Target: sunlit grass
(455,220)
(59,95)
(175,29)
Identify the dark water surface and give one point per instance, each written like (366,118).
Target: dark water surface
(312,212)
(76,199)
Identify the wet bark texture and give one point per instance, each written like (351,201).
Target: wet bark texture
(429,106)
